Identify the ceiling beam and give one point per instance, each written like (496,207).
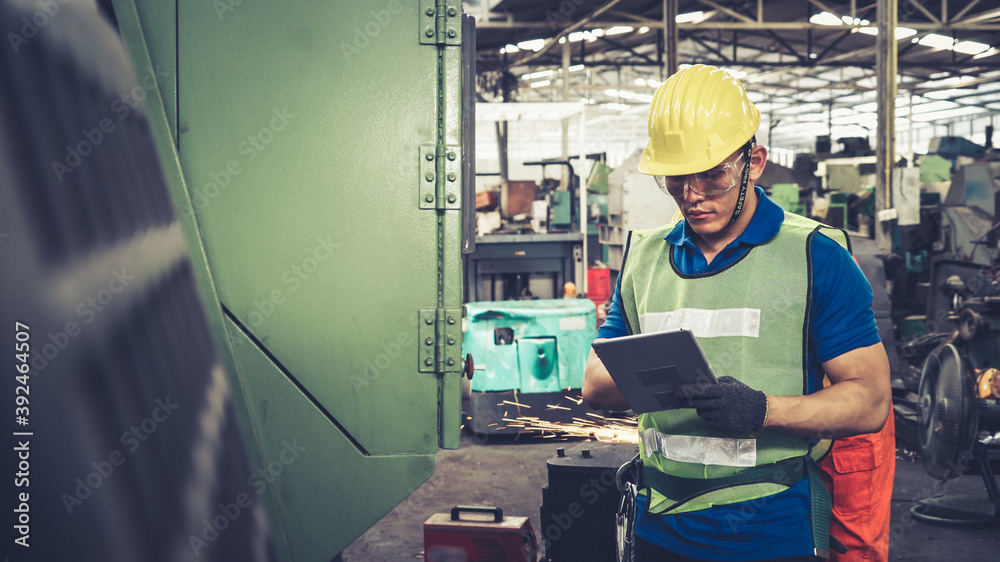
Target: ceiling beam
(620,47)
(637,19)
(832,45)
(826,8)
(971,24)
(925,11)
(711,49)
(786,45)
(965,10)
(549,43)
(732,13)
(788,66)
(985,16)
(982,79)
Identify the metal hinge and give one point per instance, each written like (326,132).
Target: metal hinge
(440,177)
(440,335)
(440,22)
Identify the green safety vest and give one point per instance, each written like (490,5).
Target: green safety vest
(751,319)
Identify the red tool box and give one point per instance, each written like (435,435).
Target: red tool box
(478,534)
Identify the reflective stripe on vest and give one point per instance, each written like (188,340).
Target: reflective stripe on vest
(721,451)
(704,323)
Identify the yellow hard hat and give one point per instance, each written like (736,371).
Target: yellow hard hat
(698,117)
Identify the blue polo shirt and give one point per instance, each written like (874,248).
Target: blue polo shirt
(841,320)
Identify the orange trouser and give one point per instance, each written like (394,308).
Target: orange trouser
(859,471)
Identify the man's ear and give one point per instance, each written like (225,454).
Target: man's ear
(758,159)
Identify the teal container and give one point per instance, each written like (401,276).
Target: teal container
(531,346)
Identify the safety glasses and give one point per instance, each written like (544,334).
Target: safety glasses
(711,183)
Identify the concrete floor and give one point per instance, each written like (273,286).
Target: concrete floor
(510,474)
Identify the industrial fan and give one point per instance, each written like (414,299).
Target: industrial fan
(952,416)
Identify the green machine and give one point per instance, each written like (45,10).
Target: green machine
(320,154)
(534,352)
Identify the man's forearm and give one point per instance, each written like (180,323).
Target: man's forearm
(599,389)
(858,401)
(841,410)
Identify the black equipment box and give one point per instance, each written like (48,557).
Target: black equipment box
(579,504)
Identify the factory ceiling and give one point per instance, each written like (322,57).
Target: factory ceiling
(810,64)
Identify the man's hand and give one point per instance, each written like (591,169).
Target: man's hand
(729,407)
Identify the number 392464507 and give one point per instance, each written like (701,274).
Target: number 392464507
(22,352)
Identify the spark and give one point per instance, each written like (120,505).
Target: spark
(600,429)
(514,404)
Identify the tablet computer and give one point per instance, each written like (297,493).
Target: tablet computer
(647,367)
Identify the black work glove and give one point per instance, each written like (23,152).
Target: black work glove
(729,407)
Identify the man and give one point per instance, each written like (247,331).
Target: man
(776,302)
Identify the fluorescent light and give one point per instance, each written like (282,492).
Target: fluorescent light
(589,36)
(826,18)
(866,107)
(640,81)
(576,68)
(539,74)
(690,17)
(643,29)
(936,41)
(647,98)
(611,92)
(949,113)
(619,29)
(597,32)
(900,34)
(509,49)
(541,84)
(989,53)
(532,45)
(970,47)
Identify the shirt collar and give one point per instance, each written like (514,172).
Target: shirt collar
(764,224)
